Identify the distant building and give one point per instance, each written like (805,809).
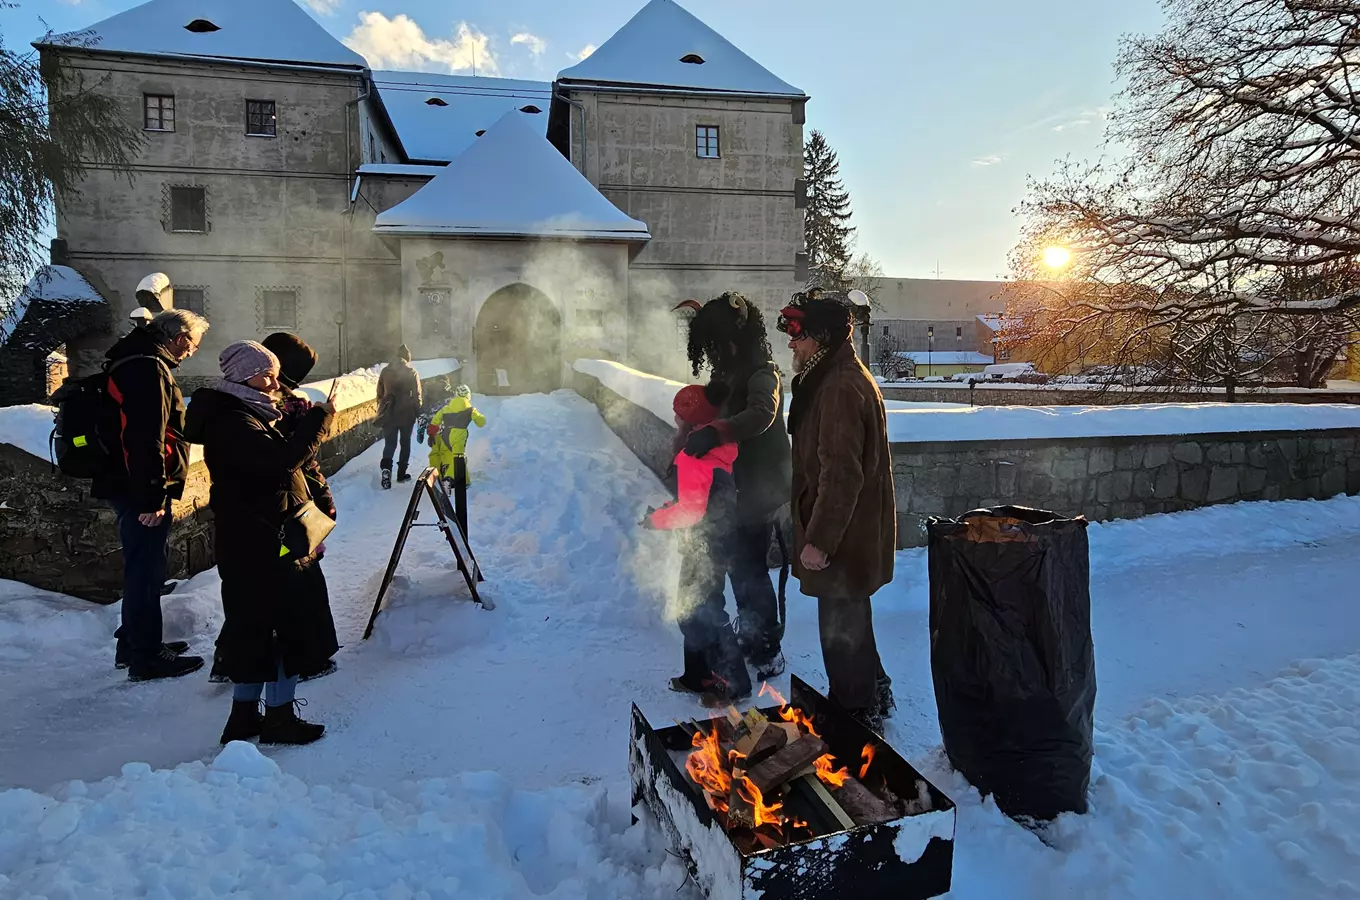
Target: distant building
(285,185)
(921,313)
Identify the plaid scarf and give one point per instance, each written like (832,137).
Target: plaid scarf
(805,384)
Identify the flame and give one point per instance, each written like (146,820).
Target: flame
(795,715)
(767,691)
(763,815)
(705,766)
(868,756)
(836,777)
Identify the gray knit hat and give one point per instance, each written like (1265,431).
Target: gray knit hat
(243,360)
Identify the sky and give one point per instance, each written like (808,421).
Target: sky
(939,111)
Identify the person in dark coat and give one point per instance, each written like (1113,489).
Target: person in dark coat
(296,361)
(844,509)
(399,403)
(274,630)
(728,337)
(146,473)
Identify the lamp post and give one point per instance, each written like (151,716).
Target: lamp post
(863,320)
(930,351)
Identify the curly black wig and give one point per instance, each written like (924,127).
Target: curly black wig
(728,331)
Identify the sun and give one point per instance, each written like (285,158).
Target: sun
(1057,257)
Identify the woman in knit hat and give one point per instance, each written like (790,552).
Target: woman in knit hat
(272,599)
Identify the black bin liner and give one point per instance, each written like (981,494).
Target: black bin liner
(1011,655)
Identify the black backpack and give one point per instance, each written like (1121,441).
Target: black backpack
(79,443)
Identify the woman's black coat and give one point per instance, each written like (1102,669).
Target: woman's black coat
(271,607)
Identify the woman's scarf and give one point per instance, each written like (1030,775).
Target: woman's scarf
(258,402)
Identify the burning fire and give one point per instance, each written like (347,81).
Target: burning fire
(833,777)
(868,756)
(705,766)
(763,815)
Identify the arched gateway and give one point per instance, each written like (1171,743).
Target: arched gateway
(517,342)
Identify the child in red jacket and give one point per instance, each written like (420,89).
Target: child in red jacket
(704,514)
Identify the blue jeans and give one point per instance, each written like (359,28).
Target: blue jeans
(145,552)
(276,693)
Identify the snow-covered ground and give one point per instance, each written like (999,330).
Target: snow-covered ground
(1224,768)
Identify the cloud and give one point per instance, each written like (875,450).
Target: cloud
(399,43)
(1084,118)
(535,44)
(984,161)
(321,7)
(585,51)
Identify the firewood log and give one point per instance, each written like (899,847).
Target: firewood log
(863,805)
(785,763)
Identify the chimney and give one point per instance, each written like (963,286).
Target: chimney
(61,254)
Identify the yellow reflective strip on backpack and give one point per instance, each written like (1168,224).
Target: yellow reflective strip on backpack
(79,441)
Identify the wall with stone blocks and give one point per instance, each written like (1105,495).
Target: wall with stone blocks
(53,535)
(1120,478)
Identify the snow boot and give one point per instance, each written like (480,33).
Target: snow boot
(871,719)
(403,476)
(887,705)
(122,656)
(166,664)
(282,726)
(769,668)
(387,479)
(244,722)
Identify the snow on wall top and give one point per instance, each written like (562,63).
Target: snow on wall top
(442,130)
(59,284)
(402,170)
(651,392)
(511,182)
(28,427)
(947,357)
(648,51)
(251,30)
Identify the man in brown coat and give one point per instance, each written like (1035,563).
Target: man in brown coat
(844,515)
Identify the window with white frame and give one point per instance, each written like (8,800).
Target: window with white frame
(706,141)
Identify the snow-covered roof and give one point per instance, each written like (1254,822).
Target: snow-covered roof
(998,323)
(462,106)
(651,48)
(401,170)
(947,357)
(276,31)
(52,284)
(511,182)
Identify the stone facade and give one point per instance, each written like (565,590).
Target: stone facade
(1008,395)
(1120,478)
(730,223)
(53,535)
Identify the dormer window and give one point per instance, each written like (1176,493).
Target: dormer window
(482,132)
(436,101)
(693,59)
(530,109)
(201,26)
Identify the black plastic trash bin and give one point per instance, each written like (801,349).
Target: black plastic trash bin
(1012,657)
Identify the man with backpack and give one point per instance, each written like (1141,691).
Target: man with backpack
(399,402)
(144,468)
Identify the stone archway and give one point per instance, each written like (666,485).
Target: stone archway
(517,342)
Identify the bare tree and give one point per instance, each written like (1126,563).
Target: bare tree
(1241,181)
(54,125)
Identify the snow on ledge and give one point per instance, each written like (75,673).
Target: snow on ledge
(651,392)
(1018,423)
(28,427)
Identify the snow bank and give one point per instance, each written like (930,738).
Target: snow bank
(238,827)
(1013,423)
(651,392)
(28,427)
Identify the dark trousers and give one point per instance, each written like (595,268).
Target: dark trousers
(710,643)
(759,631)
(145,552)
(390,435)
(850,652)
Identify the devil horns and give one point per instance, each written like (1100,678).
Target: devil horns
(689,304)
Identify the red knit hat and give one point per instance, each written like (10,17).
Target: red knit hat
(692,407)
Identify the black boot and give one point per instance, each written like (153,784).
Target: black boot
(770,667)
(122,656)
(166,664)
(403,476)
(282,726)
(244,722)
(871,719)
(887,705)
(386,479)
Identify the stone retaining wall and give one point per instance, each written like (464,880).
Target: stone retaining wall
(1015,395)
(53,535)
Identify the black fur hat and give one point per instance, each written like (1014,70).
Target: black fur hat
(296,357)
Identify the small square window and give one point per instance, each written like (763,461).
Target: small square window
(278,309)
(706,141)
(191,299)
(188,209)
(260,118)
(158,112)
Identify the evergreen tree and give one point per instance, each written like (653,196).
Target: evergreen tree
(829,236)
(54,124)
